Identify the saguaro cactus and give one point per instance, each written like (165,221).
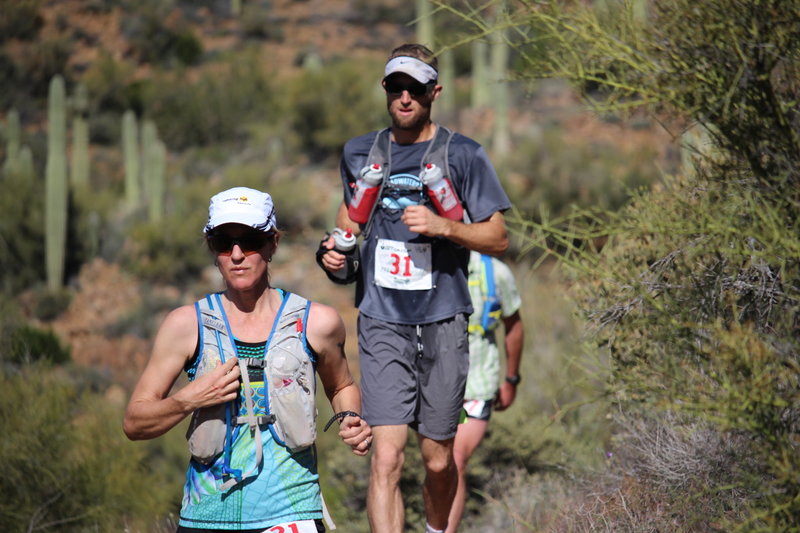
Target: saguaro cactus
(501,142)
(424,24)
(480,87)
(25,167)
(11,164)
(130,151)
(157,157)
(149,138)
(154,169)
(426,34)
(79,171)
(56,185)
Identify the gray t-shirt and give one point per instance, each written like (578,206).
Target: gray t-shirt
(408,278)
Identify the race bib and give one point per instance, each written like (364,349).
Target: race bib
(474,408)
(301,526)
(404,266)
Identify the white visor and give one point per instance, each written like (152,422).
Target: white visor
(419,70)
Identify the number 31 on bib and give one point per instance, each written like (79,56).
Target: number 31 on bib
(403,266)
(300,526)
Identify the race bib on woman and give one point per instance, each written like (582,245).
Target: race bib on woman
(403,266)
(300,526)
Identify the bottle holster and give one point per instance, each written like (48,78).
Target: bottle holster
(352,263)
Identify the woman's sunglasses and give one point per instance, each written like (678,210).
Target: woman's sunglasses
(415,89)
(250,242)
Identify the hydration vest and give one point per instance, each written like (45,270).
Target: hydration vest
(278,390)
(381,153)
(492,310)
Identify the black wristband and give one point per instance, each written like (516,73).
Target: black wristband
(338,416)
(514,380)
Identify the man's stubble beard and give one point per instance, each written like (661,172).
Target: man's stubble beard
(415,124)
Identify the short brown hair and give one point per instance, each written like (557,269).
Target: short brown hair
(419,51)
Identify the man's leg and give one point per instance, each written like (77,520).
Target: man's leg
(441,479)
(384,501)
(468,436)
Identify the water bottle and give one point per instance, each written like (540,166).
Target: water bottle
(366,193)
(344,242)
(441,192)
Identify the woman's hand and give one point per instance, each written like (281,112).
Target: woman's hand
(356,433)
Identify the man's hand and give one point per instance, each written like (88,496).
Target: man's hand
(356,433)
(331,260)
(422,220)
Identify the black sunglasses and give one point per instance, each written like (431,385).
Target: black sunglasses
(250,242)
(415,89)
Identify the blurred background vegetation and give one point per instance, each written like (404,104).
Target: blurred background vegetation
(650,150)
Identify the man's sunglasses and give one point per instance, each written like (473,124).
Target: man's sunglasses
(250,242)
(415,89)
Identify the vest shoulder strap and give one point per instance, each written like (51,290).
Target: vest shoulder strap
(491,312)
(488,275)
(380,152)
(437,153)
(214,330)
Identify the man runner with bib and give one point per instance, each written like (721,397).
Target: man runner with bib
(412,290)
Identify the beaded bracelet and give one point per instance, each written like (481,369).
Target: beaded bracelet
(338,416)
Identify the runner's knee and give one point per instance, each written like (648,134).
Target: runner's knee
(439,464)
(387,463)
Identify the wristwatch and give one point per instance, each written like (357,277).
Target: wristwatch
(514,380)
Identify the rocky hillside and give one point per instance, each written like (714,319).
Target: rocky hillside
(111,320)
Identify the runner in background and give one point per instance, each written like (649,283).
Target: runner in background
(496,300)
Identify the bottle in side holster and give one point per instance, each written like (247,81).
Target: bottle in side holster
(441,192)
(366,193)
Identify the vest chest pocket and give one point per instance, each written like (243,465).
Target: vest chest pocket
(291,396)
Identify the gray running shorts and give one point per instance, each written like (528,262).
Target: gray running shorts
(414,375)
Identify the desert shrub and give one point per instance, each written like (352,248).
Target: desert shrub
(113,89)
(20,19)
(301,202)
(49,304)
(371,13)
(553,171)
(21,233)
(95,216)
(150,252)
(39,62)
(68,464)
(259,22)
(334,103)
(695,291)
(215,108)
(161,39)
(28,344)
